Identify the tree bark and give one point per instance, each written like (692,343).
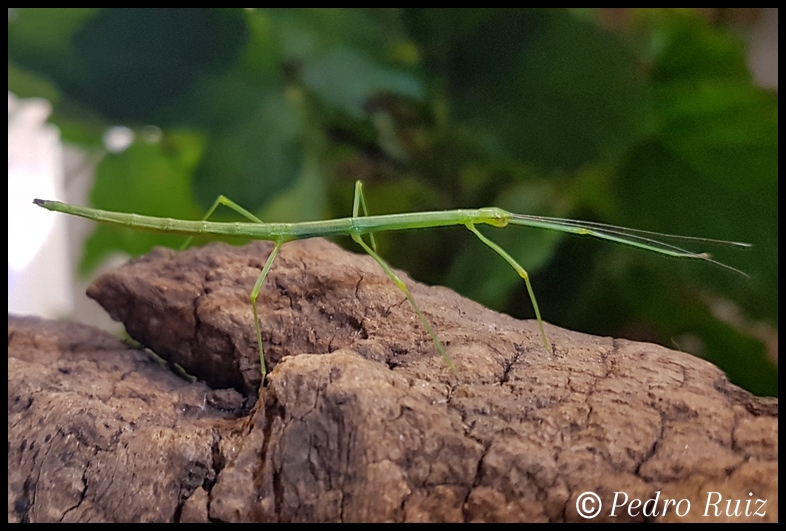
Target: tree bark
(360,418)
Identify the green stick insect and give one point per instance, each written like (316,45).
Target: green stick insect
(359,225)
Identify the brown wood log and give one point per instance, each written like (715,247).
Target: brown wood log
(361,420)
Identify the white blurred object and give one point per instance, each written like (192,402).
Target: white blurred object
(763,49)
(39,265)
(117,139)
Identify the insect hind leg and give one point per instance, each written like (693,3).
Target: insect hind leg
(223,200)
(227,202)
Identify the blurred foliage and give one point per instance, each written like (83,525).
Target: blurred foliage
(656,125)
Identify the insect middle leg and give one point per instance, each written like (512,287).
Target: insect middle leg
(359,201)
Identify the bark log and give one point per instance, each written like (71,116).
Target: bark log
(361,420)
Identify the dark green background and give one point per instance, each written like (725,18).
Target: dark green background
(654,126)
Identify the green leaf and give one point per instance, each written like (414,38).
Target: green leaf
(259,158)
(347,79)
(40,40)
(137,61)
(553,90)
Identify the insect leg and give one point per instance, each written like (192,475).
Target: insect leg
(254,295)
(403,287)
(358,203)
(522,273)
(227,202)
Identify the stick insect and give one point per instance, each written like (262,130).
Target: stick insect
(357,226)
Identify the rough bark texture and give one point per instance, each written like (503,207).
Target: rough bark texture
(361,419)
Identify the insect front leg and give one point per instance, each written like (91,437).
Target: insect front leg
(522,273)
